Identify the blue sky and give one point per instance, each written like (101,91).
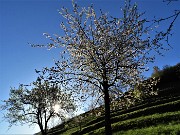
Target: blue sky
(23,21)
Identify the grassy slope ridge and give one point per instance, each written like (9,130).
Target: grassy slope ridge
(143,122)
(154,114)
(158,114)
(166,129)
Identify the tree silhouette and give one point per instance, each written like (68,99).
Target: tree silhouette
(39,105)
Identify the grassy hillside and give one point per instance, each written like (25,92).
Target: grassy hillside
(156,115)
(160,116)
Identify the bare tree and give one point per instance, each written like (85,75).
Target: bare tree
(169,1)
(39,105)
(101,54)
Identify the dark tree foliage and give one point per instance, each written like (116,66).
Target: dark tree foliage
(169,83)
(168,74)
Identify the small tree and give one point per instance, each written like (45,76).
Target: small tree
(79,121)
(156,72)
(103,53)
(39,105)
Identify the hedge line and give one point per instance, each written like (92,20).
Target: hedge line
(167,107)
(146,104)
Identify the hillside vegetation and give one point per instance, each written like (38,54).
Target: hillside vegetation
(154,115)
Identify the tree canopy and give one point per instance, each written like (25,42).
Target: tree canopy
(168,73)
(43,102)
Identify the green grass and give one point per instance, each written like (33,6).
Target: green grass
(142,122)
(145,106)
(148,118)
(136,115)
(68,132)
(170,129)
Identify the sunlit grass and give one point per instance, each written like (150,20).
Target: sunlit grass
(170,129)
(148,119)
(70,131)
(142,122)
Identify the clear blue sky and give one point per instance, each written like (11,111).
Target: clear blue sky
(23,21)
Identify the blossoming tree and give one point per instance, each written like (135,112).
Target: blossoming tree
(39,105)
(101,53)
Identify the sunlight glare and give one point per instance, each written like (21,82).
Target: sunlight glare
(56,108)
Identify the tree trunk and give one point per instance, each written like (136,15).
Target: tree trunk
(42,130)
(45,129)
(108,129)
